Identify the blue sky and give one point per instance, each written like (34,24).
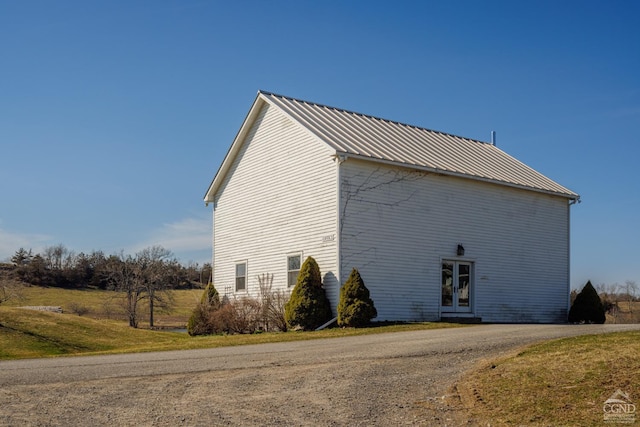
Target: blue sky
(115,115)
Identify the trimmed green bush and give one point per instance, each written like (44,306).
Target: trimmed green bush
(308,306)
(199,322)
(587,307)
(210,296)
(356,308)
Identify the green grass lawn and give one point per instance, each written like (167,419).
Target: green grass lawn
(104,329)
(30,334)
(562,382)
(27,333)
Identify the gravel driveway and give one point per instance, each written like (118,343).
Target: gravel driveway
(390,379)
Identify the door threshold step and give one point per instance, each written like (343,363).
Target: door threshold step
(456,319)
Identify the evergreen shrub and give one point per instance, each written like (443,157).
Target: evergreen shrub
(199,322)
(308,306)
(356,308)
(210,296)
(587,307)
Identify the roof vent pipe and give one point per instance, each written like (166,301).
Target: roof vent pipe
(493,137)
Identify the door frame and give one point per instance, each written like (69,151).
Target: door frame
(454,310)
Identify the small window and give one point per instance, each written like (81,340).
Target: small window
(293,269)
(241,276)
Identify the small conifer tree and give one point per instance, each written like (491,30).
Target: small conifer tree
(198,323)
(308,306)
(587,307)
(356,307)
(210,296)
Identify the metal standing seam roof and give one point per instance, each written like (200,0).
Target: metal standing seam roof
(378,139)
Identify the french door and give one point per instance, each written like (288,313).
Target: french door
(456,287)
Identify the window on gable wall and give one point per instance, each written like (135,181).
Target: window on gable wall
(293,269)
(241,276)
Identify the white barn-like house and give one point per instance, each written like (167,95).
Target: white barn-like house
(439,226)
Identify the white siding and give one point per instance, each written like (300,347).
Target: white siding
(278,198)
(397,225)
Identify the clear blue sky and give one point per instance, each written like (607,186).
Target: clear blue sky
(115,115)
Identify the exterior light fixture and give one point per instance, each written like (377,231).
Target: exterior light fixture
(460,250)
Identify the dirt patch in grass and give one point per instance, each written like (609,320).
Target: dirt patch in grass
(560,382)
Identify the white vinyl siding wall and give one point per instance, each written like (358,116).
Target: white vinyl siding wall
(398,225)
(278,198)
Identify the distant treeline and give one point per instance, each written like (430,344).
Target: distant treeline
(60,267)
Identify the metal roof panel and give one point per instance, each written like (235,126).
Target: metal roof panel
(379,139)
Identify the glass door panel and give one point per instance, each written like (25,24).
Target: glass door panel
(464,275)
(447,284)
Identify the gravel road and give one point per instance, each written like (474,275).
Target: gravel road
(390,379)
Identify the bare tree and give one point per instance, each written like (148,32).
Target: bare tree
(272,304)
(631,289)
(610,297)
(147,276)
(157,272)
(8,291)
(619,301)
(54,256)
(122,276)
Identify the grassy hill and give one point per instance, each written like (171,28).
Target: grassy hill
(101,304)
(28,333)
(96,303)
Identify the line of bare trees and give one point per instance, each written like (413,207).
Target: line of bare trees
(619,299)
(60,267)
(149,275)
